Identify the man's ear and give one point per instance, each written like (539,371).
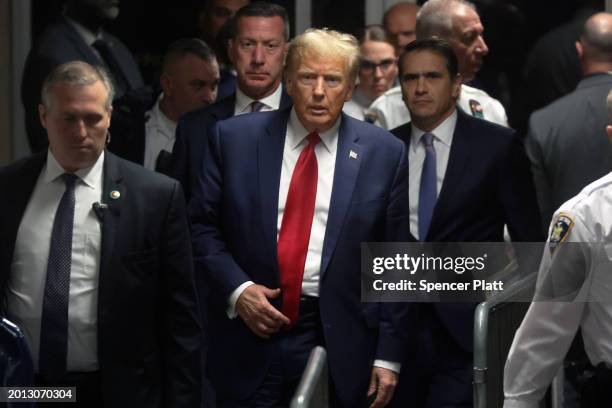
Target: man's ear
(165,81)
(609,132)
(456,86)
(579,49)
(42,115)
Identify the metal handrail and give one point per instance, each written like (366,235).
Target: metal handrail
(313,384)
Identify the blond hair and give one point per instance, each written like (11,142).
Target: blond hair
(326,43)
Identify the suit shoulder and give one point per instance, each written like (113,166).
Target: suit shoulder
(377,137)
(218,110)
(143,177)
(402,131)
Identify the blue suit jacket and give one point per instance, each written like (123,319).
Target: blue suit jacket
(58,44)
(192,134)
(487,184)
(234,218)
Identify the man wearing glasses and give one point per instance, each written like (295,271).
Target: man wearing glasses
(377,73)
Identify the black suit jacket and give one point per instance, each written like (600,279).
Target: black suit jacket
(487,184)
(58,44)
(149,336)
(192,135)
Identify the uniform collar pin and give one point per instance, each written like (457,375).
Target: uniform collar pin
(115,194)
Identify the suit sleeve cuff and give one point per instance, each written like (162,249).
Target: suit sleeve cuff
(233,299)
(389,365)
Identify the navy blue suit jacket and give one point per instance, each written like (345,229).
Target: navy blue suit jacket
(58,44)
(234,218)
(192,134)
(487,184)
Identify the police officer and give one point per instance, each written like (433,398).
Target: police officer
(575,271)
(462,22)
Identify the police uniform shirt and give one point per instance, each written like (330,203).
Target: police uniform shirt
(358,106)
(547,331)
(391,112)
(159,134)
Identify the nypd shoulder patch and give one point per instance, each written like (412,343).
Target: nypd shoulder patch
(560,231)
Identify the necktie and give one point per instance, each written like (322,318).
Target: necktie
(428,190)
(54,324)
(107,54)
(257,106)
(295,229)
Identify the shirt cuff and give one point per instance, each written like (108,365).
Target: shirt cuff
(233,299)
(389,365)
(515,403)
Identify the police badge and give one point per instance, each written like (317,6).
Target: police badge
(560,231)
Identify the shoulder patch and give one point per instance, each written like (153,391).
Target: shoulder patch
(560,231)
(476,109)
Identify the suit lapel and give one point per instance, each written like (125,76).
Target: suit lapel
(457,159)
(269,161)
(348,160)
(80,44)
(113,195)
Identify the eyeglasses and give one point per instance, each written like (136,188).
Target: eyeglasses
(369,67)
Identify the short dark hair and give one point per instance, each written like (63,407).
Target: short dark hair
(261,9)
(188,46)
(437,46)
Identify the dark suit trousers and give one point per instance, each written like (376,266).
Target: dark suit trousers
(292,348)
(442,377)
(88,390)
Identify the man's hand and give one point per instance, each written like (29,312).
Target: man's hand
(257,313)
(382,382)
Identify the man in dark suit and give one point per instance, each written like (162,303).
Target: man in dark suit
(144,124)
(258,51)
(287,199)
(567,142)
(76,36)
(467,178)
(95,259)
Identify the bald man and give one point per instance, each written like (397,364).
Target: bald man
(566,141)
(458,23)
(399,22)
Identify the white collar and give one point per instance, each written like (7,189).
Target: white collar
(297,133)
(91,176)
(243,101)
(443,132)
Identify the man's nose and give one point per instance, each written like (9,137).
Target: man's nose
(258,55)
(481,46)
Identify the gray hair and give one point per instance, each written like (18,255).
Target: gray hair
(435,18)
(77,73)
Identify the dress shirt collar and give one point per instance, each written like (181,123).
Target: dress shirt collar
(296,133)
(443,133)
(272,101)
(360,98)
(91,176)
(88,36)
(157,118)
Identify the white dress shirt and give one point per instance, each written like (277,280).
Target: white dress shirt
(159,134)
(442,141)
(547,331)
(270,102)
(295,142)
(26,285)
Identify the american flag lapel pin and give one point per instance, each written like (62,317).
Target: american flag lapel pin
(352,154)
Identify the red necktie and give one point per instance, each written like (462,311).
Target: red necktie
(295,228)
